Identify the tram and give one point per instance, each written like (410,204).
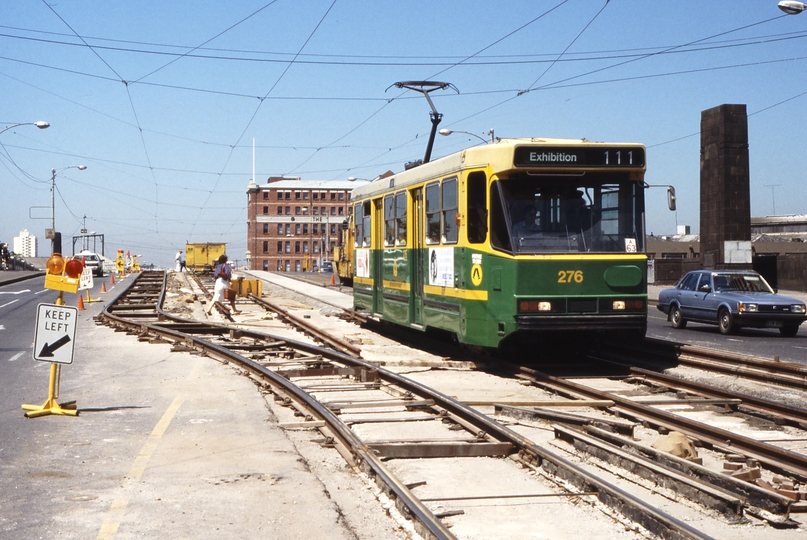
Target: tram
(505,241)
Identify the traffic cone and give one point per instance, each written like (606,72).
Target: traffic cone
(111,280)
(333,279)
(103,287)
(80,302)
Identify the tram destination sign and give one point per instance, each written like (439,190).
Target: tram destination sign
(572,156)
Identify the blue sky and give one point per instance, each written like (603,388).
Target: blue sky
(162,100)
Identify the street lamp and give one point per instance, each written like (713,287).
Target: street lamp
(447,132)
(53,173)
(41,125)
(792,8)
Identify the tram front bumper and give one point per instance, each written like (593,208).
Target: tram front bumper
(532,323)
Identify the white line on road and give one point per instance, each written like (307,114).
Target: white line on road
(8,304)
(16,356)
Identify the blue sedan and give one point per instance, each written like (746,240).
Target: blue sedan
(731,300)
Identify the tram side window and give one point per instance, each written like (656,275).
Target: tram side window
(366,226)
(449,206)
(433,213)
(389,220)
(358,224)
(400,218)
(477,221)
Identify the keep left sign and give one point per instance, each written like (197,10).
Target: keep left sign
(55,333)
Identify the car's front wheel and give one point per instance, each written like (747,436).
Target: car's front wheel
(676,318)
(789,330)
(726,322)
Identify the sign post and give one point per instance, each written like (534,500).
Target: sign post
(54,342)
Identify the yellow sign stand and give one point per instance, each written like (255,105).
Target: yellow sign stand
(50,406)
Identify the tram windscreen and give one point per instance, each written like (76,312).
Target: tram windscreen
(561,214)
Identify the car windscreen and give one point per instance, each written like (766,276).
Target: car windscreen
(741,283)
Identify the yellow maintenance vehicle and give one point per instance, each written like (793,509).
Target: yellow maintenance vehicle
(343,253)
(202,258)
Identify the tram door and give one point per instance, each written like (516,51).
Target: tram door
(377,253)
(418,257)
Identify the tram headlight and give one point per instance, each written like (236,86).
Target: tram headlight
(528,306)
(634,304)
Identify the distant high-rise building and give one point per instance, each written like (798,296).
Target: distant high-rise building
(25,244)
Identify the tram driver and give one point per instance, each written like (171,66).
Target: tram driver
(528,225)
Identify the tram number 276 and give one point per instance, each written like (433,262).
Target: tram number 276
(567,276)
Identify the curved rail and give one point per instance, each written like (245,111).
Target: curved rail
(132,314)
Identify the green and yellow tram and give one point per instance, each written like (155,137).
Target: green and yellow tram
(506,240)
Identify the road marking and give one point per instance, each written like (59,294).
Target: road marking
(110,525)
(16,356)
(43,290)
(8,304)
(16,292)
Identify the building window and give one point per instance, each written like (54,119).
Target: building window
(288,246)
(333,195)
(279,265)
(305,195)
(279,210)
(341,211)
(296,210)
(296,195)
(280,229)
(305,247)
(280,246)
(288,210)
(333,210)
(279,195)
(297,247)
(265,195)
(265,228)
(266,246)
(265,210)
(265,266)
(288,229)
(305,210)
(316,195)
(316,210)
(341,195)
(305,228)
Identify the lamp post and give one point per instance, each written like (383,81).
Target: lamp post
(53,173)
(41,125)
(447,132)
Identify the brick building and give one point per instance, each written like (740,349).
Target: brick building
(293,224)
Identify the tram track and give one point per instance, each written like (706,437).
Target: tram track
(766,503)
(276,362)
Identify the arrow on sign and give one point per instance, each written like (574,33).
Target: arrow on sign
(47,350)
